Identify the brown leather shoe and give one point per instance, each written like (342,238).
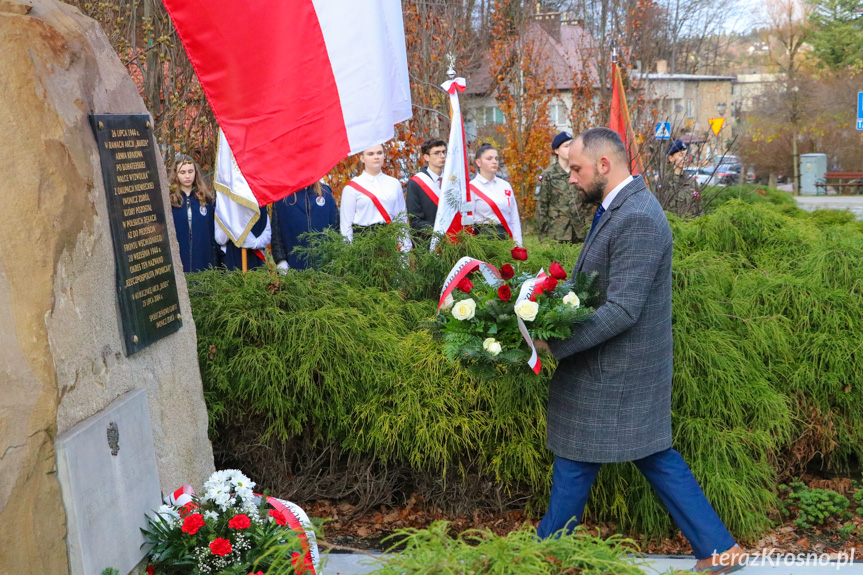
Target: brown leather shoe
(732,560)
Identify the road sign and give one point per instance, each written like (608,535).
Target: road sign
(860,110)
(716,124)
(663,131)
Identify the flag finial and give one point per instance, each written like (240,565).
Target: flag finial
(614,51)
(450,73)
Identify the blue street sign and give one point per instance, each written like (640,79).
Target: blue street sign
(663,129)
(860,110)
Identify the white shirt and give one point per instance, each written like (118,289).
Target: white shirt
(500,192)
(356,208)
(613,193)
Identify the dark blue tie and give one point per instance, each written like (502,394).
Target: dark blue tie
(596,217)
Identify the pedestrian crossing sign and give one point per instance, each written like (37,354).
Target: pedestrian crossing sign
(860,110)
(663,131)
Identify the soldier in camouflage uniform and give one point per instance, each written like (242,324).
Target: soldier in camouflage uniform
(560,213)
(686,197)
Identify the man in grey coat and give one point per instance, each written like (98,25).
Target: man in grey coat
(610,398)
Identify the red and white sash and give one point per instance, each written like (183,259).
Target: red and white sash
(374,200)
(493,207)
(428,185)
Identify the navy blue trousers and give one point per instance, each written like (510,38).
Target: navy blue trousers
(670,478)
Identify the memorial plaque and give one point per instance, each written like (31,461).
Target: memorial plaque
(146,290)
(108,475)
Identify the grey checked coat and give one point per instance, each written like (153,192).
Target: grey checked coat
(610,398)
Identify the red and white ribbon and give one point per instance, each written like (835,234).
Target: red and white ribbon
(461,270)
(181,496)
(527,289)
(457,85)
(299,522)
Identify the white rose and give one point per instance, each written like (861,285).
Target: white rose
(491,345)
(526,309)
(464,309)
(571,299)
(447,302)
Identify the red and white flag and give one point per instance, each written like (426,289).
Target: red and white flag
(297,86)
(454,210)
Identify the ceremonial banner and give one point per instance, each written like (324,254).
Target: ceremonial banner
(297,86)
(236,205)
(455,210)
(620,121)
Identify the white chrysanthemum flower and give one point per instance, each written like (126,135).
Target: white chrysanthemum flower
(211,515)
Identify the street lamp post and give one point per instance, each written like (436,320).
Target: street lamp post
(721,107)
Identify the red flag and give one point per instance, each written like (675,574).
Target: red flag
(620,121)
(298,85)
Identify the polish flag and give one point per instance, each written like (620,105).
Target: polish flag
(297,86)
(454,208)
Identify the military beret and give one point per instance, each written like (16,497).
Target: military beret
(676,146)
(560,139)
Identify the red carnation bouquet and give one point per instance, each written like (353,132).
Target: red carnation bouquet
(489,317)
(229,530)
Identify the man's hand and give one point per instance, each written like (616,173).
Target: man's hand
(541,345)
(282,267)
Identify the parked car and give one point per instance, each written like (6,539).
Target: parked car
(703,176)
(728,174)
(730,160)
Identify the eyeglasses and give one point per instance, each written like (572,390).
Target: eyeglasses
(438,153)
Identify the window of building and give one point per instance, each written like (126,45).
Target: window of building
(689,111)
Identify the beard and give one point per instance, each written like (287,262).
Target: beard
(595,189)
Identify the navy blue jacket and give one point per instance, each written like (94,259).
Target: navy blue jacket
(198,247)
(233,258)
(297,214)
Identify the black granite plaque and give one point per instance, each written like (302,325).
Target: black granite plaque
(146,289)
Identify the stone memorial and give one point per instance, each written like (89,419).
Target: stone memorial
(63,352)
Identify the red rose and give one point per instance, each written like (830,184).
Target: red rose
(519,253)
(258,573)
(504,293)
(192,523)
(220,547)
(240,522)
(549,283)
(187,508)
(277,515)
(465,285)
(506,271)
(557,272)
(149,570)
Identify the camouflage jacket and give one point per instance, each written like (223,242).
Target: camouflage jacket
(560,213)
(686,199)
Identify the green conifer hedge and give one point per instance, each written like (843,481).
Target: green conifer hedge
(768,351)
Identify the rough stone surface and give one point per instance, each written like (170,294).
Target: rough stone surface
(97,475)
(60,344)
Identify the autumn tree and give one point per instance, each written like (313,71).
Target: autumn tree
(144,37)
(523,87)
(788,29)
